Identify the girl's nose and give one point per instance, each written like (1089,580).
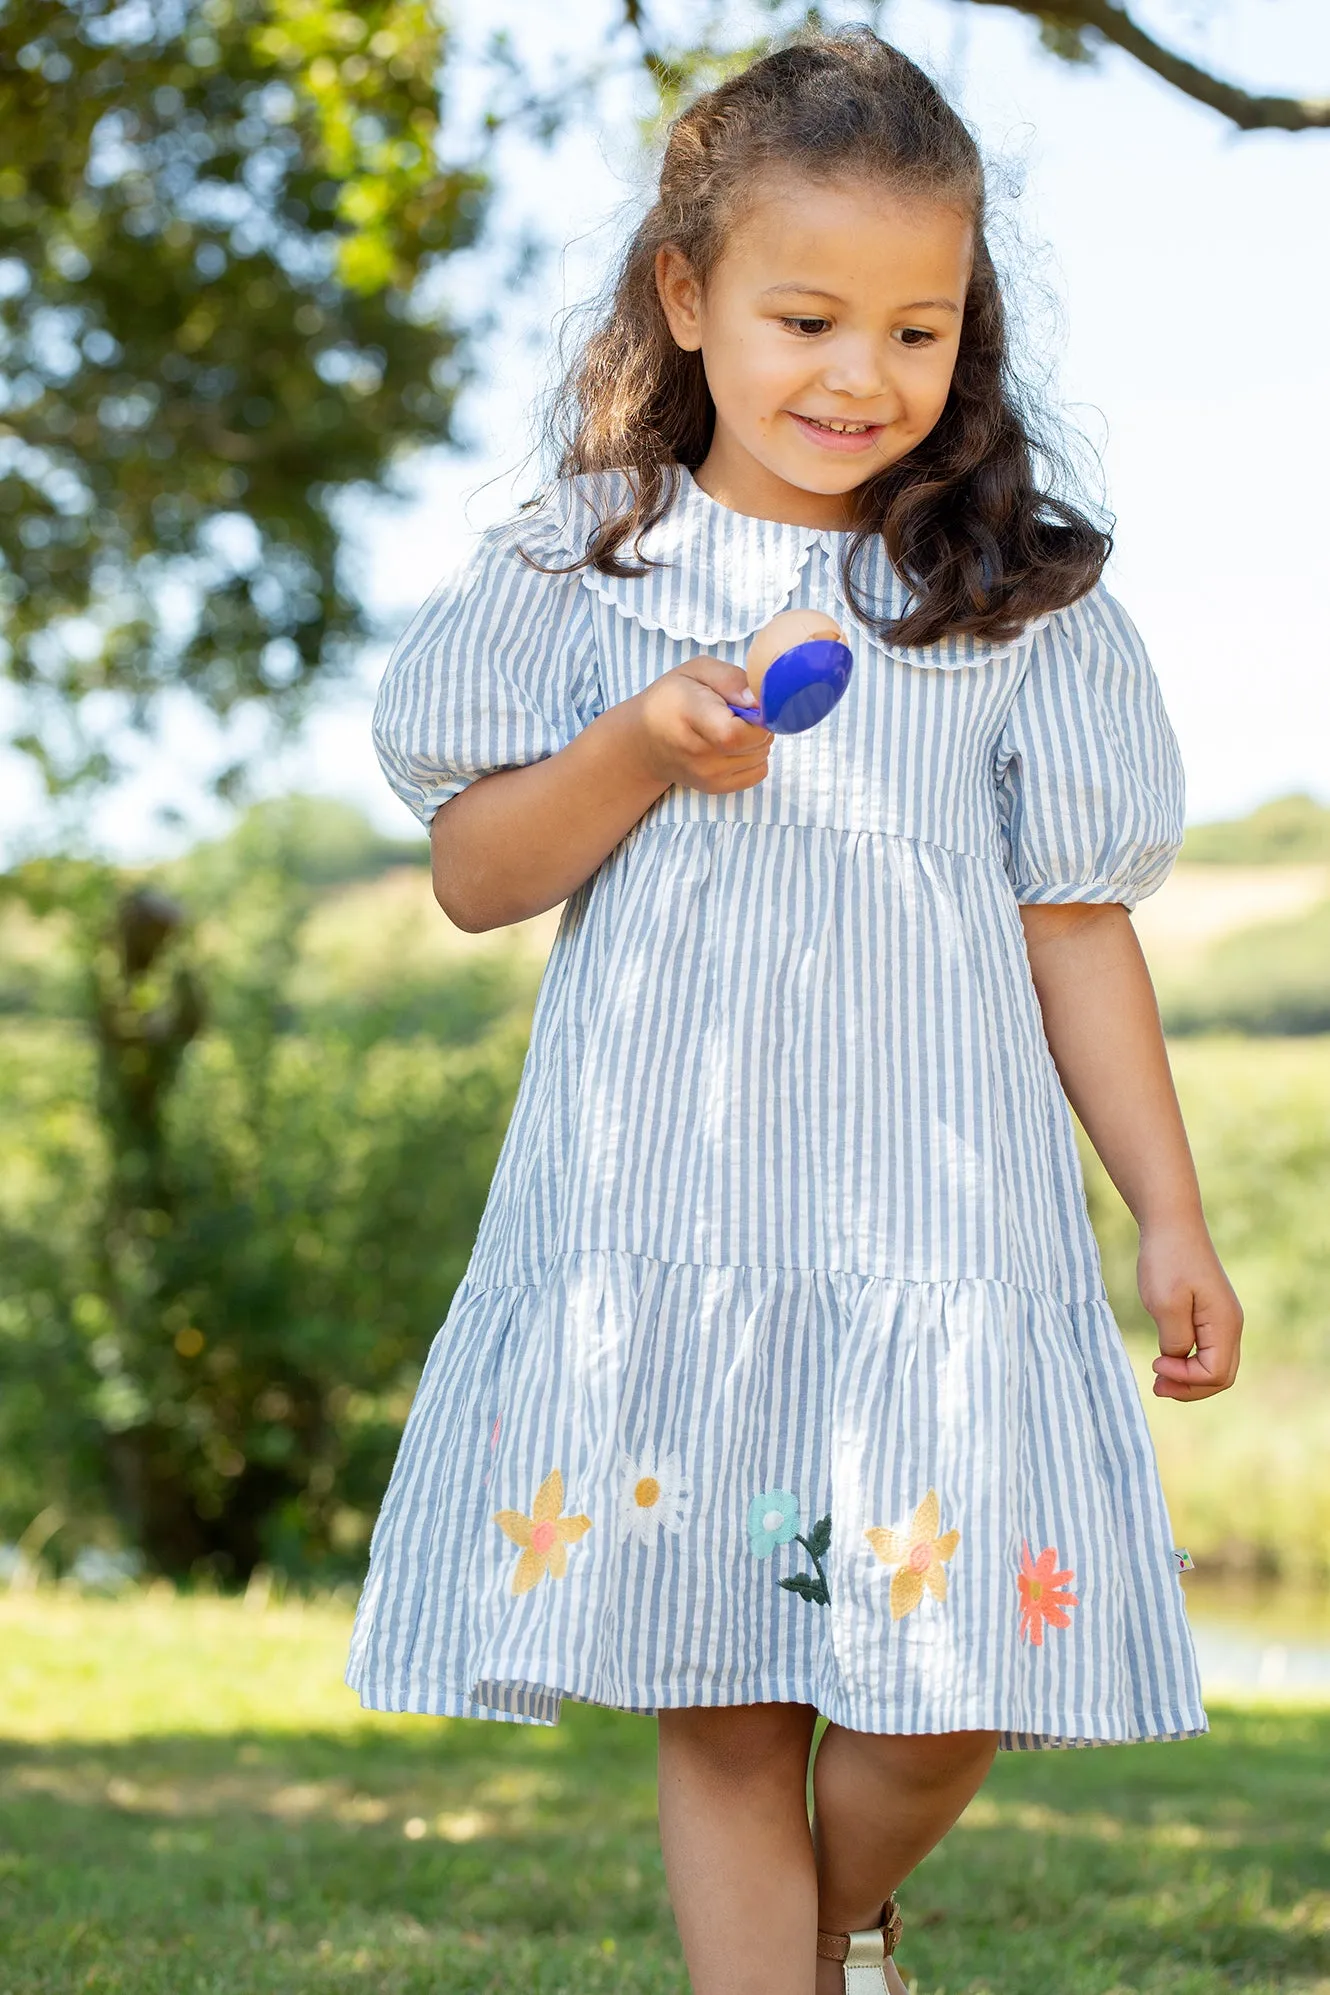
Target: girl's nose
(862,371)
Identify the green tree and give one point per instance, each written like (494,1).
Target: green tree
(232,1212)
(219,225)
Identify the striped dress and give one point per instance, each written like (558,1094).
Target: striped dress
(782,1367)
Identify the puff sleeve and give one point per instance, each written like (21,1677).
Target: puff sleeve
(496,670)
(1089,779)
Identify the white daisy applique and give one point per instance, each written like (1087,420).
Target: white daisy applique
(651,1496)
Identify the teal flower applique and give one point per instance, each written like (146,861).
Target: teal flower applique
(773,1519)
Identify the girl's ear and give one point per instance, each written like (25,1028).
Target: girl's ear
(680,297)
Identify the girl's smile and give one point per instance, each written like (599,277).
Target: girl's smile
(829,434)
(828,329)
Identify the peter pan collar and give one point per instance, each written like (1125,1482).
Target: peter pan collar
(722,574)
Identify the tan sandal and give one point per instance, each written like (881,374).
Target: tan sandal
(867,1956)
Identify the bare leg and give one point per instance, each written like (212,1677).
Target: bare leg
(881,1802)
(737,1846)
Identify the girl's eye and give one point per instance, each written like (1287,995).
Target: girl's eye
(917,336)
(807,328)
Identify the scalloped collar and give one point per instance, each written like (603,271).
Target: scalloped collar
(722,574)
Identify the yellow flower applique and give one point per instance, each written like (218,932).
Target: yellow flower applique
(543,1535)
(918,1555)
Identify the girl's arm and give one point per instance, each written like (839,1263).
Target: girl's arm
(518,841)
(1102,1024)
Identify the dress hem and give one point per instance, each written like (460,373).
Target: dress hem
(523,1701)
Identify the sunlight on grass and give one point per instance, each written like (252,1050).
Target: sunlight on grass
(190,1800)
(166,1657)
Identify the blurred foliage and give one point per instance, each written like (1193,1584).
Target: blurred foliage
(1270,979)
(1268,973)
(213,1310)
(219,223)
(1248,1473)
(1064,37)
(323,843)
(1287,832)
(1258,1114)
(46,904)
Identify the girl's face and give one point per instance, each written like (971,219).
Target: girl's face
(828,329)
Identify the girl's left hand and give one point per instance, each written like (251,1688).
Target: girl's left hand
(1200,1318)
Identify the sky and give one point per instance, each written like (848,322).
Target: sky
(1187,266)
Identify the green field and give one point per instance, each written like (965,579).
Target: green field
(190,1801)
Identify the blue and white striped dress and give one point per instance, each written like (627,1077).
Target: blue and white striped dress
(782,1367)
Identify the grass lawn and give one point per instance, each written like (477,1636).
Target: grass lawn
(190,1801)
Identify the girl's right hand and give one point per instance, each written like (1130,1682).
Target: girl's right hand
(688,734)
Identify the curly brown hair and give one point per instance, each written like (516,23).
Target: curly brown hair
(983,546)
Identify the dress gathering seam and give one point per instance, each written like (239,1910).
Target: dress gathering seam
(782,1268)
(654,820)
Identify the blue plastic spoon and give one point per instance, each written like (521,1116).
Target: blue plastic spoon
(800,686)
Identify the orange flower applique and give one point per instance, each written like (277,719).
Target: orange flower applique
(918,1554)
(543,1535)
(1042,1598)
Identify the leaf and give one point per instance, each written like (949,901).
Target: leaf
(1066,39)
(807,1587)
(819,1538)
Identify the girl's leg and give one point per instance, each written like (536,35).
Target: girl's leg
(880,1803)
(738,1851)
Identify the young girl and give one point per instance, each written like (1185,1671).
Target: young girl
(782,1378)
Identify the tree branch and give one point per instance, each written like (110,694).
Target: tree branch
(1249,112)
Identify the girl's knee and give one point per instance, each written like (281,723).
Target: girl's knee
(934,1759)
(739,1742)
(950,1755)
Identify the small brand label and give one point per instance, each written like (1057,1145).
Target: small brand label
(1183,1559)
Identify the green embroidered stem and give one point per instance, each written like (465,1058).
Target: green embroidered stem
(800,1539)
(801,1582)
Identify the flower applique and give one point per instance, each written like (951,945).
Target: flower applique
(651,1496)
(1043,1600)
(918,1554)
(773,1519)
(544,1536)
